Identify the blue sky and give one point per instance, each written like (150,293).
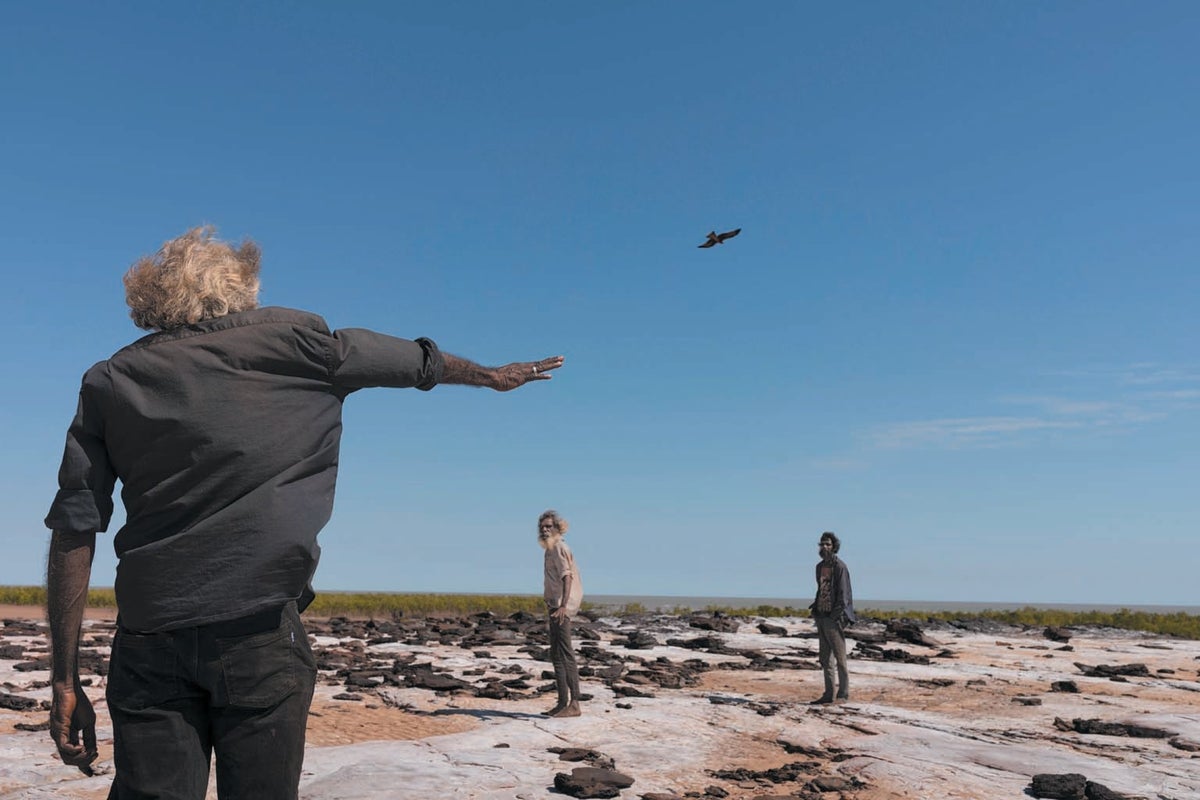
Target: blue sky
(958,328)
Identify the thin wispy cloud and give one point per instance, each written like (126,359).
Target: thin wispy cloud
(1131,405)
(1184,395)
(959,432)
(1146,373)
(1094,413)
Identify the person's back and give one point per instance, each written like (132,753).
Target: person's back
(225,436)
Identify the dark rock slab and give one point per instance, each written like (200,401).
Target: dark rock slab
(1057,634)
(833,783)
(1103,728)
(1187,745)
(788,773)
(1114,670)
(711,644)
(1065,686)
(12,652)
(593,757)
(909,631)
(426,678)
(15,702)
(1065,786)
(592,782)
(870,652)
(1098,791)
(762,663)
(1071,786)
(715,622)
(366,679)
(793,748)
(637,640)
(33,727)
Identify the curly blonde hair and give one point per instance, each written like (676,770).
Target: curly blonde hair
(191,278)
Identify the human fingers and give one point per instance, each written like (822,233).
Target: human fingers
(547,364)
(65,738)
(72,753)
(89,744)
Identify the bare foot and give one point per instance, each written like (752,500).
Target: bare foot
(554,712)
(570,711)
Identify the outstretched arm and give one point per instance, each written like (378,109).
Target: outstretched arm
(502,379)
(68,571)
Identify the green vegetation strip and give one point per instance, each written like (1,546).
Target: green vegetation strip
(388,605)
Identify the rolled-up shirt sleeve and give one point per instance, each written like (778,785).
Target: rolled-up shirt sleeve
(362,358)
(84,501)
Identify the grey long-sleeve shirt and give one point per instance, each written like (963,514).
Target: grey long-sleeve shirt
(225,438)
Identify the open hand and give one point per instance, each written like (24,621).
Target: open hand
(71,716)
(519,373)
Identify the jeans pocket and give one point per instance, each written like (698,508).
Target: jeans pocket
(143,671)
(260,670)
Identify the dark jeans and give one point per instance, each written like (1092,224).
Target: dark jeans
(562,656)
(240,689)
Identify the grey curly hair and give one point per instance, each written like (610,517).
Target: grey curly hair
(560,524)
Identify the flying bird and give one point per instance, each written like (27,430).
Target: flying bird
(719,238)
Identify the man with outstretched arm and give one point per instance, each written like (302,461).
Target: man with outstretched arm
(223,426)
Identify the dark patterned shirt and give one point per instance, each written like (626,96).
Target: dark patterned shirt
(825,590)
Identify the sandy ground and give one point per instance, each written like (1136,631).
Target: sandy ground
(38,614)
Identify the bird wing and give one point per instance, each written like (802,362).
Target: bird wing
(729,234)
(709,243)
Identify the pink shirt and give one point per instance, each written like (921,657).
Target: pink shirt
(560,563)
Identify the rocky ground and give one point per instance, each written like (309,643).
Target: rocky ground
(698,706)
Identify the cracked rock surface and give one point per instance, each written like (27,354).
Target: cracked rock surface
(691,706)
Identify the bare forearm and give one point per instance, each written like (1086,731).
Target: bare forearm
(467,373)
(568,582)
(68,571)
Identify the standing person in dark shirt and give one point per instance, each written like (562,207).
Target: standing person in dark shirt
(563,593)
(223,427)
(833,611)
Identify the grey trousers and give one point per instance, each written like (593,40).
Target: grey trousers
(832,648)
(562,656)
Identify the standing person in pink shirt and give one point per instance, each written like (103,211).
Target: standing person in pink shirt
(564,594)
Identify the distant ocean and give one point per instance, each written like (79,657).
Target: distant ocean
(669,603)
